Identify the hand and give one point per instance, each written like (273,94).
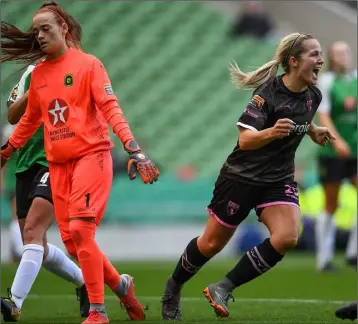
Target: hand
(6,151)
(141,163)
(321,135)
(282,128)
(342,148)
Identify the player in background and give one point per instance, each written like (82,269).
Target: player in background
(337,160)
(8,188)
(34,211)
(71,93)
(259,173)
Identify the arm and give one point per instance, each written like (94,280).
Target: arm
(17,100)
(252,140)
(326,121)
(107,102)
(324,109)
(320,135)
(324,116)
(17,109)
(29,122)
(253,134)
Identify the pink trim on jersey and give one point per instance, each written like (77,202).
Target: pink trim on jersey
(274,203)
(211,213)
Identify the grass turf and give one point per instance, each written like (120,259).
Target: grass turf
(293,292)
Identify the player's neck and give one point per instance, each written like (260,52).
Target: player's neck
(57,54)
(293,83)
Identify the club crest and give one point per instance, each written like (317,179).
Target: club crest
(232,208)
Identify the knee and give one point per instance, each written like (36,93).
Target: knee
(283,242)
(82,234)
(210,246)
(33,233)
(71,248)
(76,232)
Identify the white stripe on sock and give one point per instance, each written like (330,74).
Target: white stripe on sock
(253,262)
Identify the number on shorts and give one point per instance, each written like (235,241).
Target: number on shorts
(44,178)
(88,196)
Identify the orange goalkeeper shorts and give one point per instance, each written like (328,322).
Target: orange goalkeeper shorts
(81,188)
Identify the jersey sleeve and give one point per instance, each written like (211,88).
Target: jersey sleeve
(255,114)
(325,83)
(29,122)
(19,89)
(107,102)
(101,87)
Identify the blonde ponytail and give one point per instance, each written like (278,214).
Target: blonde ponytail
(255,78)
(290,45)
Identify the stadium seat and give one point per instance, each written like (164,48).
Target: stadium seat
(168,62)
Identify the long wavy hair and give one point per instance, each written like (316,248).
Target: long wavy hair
(20,46)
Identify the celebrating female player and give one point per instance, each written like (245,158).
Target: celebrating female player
(259,173)
(337,161)
(71,93)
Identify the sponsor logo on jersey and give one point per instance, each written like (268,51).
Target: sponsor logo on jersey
(68,80)
(58,112)
(301,129)
(257,101)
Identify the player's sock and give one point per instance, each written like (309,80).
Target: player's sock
(111,275)
(99,307)
(27,272)
(351,251)
(112,278)
(254,263)
(325,239)
(59,264)
(90,258)
(123,286)
(189,263)
(16,239)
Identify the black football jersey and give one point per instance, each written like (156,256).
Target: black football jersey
(273,162)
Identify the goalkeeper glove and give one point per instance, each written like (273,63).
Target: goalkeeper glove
(139,162)
(6,151)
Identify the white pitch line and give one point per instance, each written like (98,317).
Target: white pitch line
(197,299)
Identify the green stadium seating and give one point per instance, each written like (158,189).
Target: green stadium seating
(168,62)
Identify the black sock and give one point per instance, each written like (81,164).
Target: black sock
(189,263)
(254,263)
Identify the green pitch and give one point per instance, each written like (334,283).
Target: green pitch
(293,292)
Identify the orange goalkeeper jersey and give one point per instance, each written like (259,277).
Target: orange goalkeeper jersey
(72,95)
